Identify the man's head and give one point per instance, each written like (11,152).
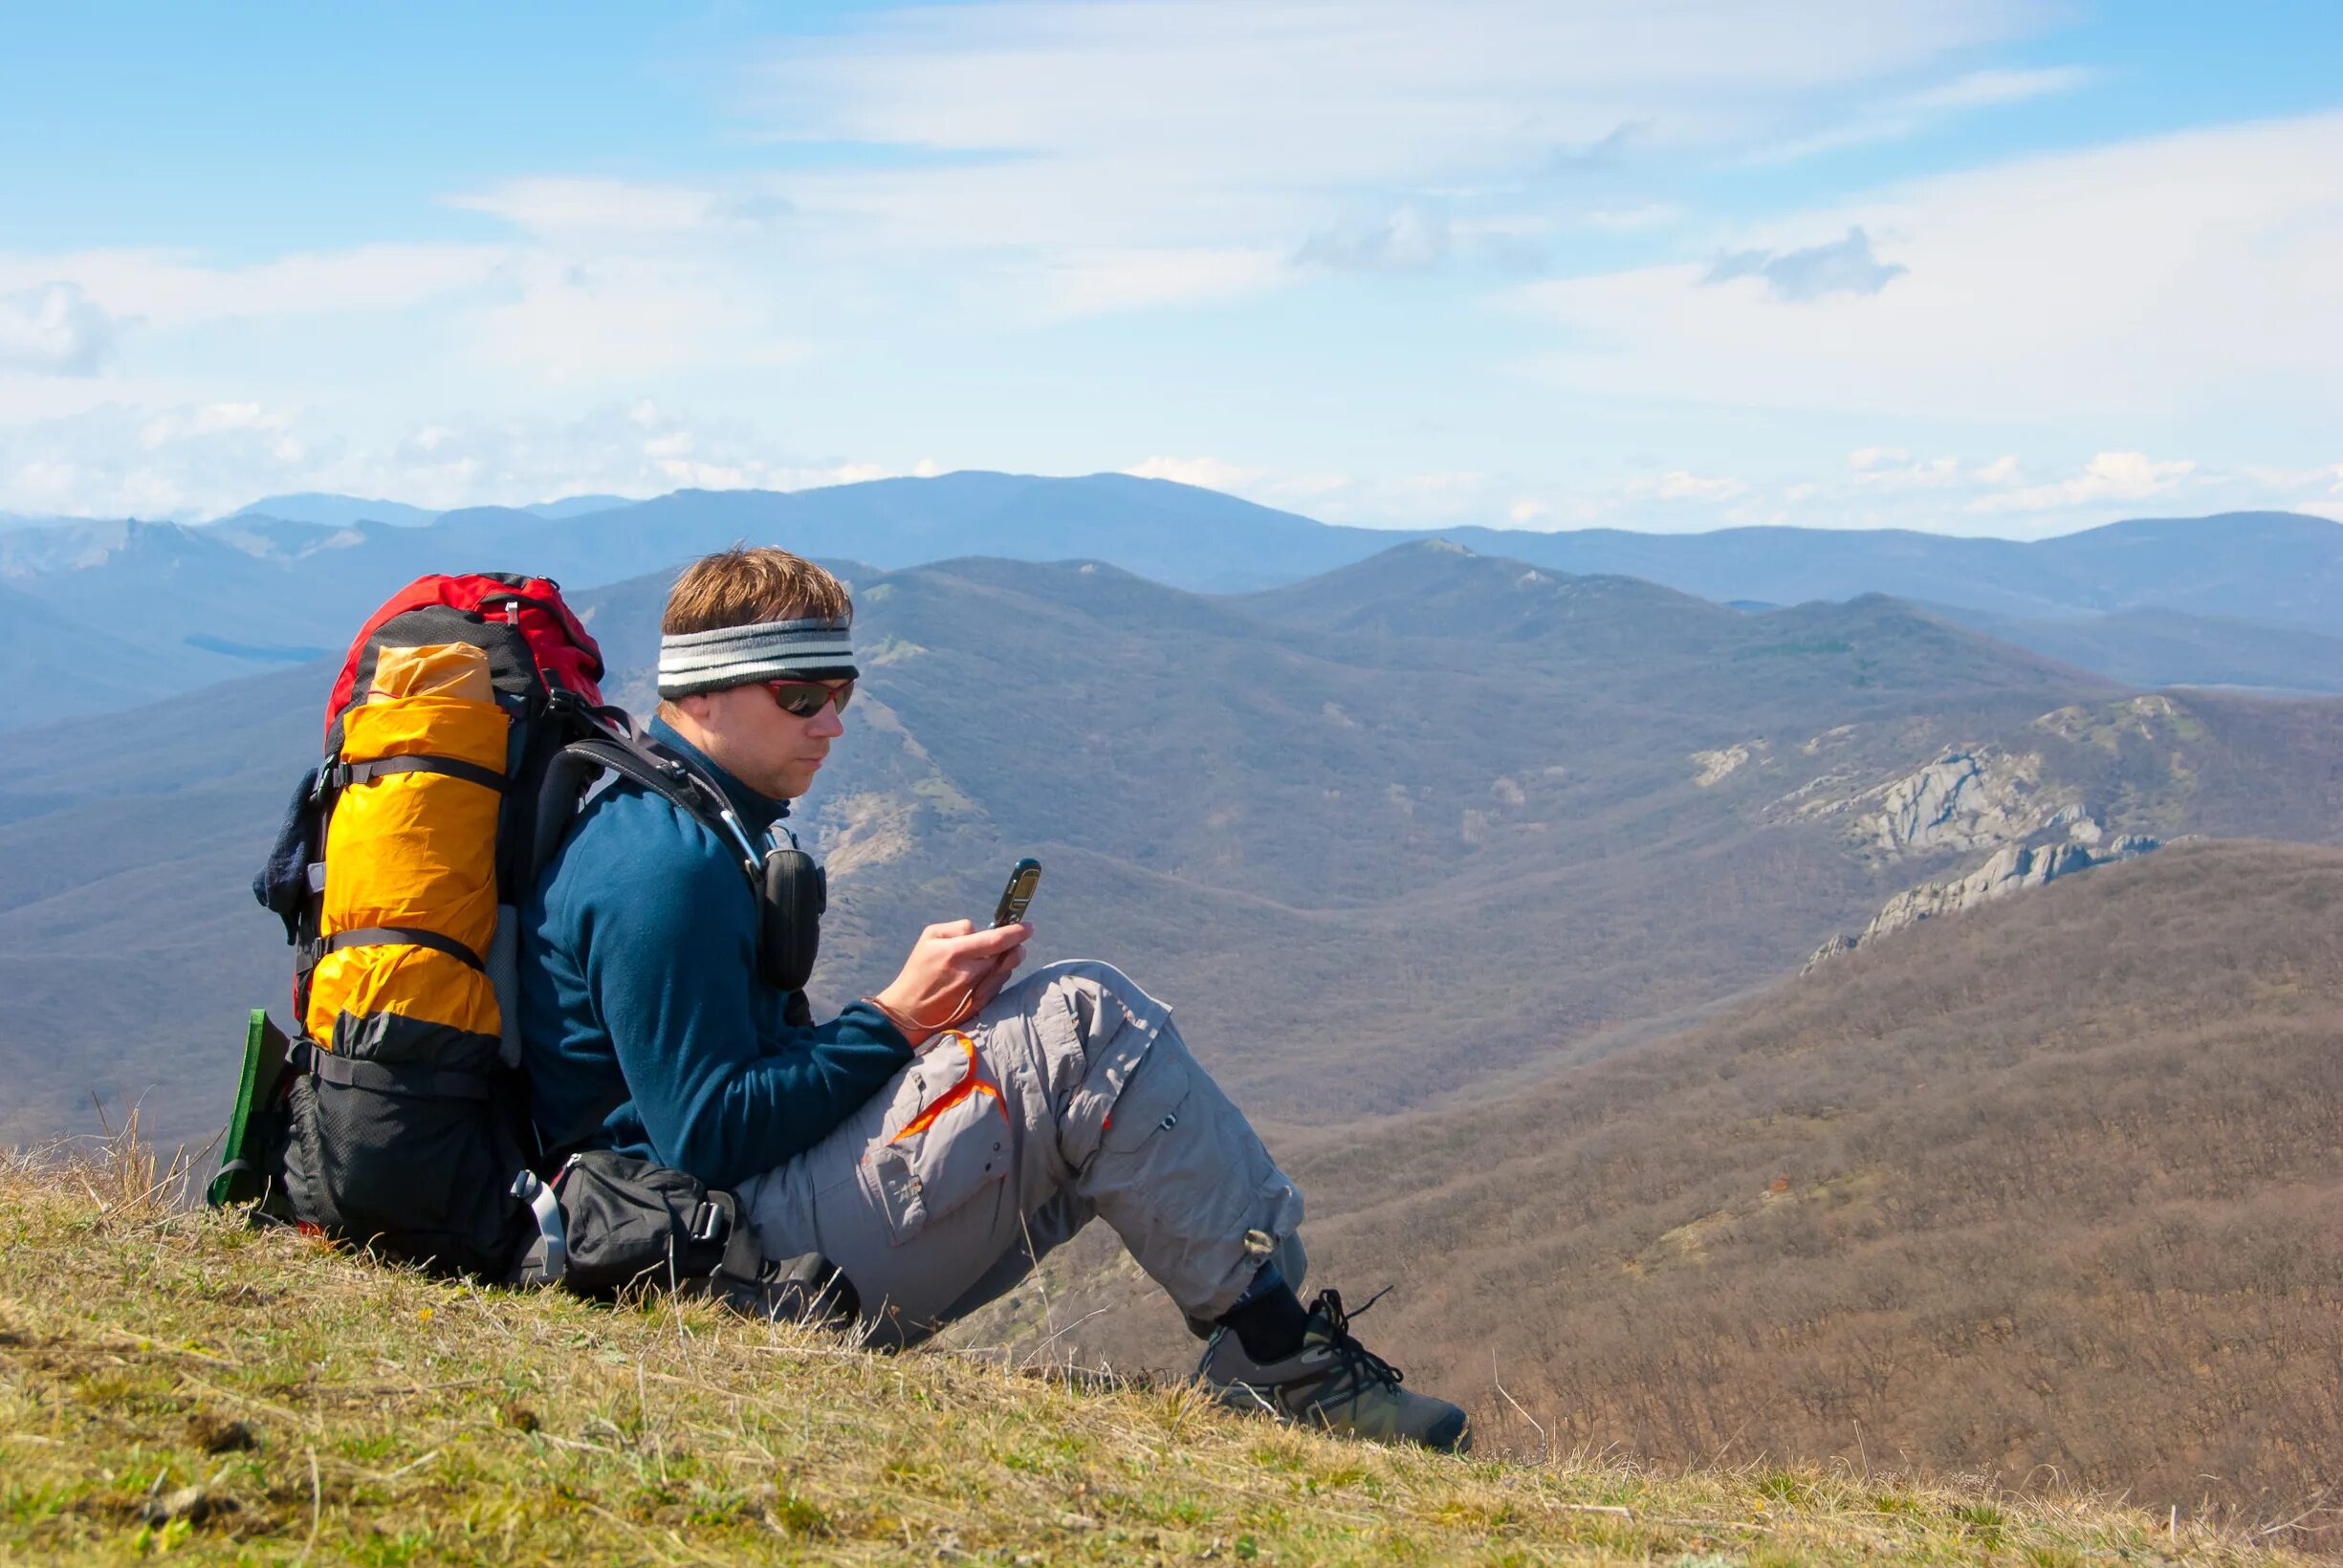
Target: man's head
(738,624)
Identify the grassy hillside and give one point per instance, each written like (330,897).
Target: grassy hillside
(2054,1183)
(172,1383)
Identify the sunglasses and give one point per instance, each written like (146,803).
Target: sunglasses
(804,699)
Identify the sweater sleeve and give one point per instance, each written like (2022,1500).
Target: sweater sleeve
(669,956)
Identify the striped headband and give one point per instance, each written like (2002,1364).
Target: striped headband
(773,650)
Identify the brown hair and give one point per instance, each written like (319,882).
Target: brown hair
(748,584)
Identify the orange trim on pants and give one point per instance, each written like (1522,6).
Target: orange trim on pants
(972,1082)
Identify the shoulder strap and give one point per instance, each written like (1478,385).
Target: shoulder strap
(645,762)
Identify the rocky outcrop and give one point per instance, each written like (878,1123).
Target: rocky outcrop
(2010,869)
(2149,718)
(1968,799)
(1963,800)
(1716,767)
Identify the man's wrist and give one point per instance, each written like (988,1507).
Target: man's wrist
(905,1025)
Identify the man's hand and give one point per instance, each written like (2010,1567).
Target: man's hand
(954,969)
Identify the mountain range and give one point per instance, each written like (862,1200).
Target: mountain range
(2249,600)
(1436,817)
(1485,887)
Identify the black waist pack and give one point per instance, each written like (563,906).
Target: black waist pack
(626,1223)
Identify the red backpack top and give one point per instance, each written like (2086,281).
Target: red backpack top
(563,651)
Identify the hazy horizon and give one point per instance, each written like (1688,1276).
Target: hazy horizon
(566,501)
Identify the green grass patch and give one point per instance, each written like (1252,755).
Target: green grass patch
(172,1384)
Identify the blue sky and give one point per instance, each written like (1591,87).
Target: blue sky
(1978,266)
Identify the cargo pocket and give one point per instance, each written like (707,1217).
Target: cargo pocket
(1151,1102)
(953,1145)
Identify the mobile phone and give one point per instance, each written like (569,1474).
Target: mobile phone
(1018,893)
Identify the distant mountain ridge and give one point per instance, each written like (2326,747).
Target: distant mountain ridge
(1338,812)
(171,596)
(342,511)
(2153,646)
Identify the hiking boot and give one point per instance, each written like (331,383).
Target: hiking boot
(1332,1382)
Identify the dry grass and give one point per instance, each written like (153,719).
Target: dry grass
(174,1382)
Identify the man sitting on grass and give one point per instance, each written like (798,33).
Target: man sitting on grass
(931,1142)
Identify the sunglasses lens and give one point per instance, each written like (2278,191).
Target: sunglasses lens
(803,702)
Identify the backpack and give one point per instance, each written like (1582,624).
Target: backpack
(462,736)
(400,1119)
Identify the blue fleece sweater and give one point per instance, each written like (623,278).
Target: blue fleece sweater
(639,988)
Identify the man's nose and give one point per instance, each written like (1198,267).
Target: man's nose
(827,722)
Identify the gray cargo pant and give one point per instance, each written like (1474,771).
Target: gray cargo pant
(1070,1096)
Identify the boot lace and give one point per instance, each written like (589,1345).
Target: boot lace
(1363,1364)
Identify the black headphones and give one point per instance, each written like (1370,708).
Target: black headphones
(794,893)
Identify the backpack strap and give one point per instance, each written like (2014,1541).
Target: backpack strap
(379,936)
(341,776)
(647,762)
(390,1078)
(617,748)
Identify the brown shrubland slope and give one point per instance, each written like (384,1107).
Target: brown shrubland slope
(2057,1182)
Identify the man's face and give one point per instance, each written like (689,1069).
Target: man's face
(754,739)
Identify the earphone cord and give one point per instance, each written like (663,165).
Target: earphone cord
(959,1009)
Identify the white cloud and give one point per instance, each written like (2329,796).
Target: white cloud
(1419,237)
(1882,469)
(1985,89)
(595,207)
(1881,488)
(1842,266)
(1643,215)
(1241,124)
(1678,484)
(1086,282)
(53,330)
(595,303)
(2186,274)
(1210,473)
(1911,113)
(203,460)
(1410,240)
(172,289)
(2109,476)
(618,318)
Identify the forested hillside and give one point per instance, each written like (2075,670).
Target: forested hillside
(2056,1183)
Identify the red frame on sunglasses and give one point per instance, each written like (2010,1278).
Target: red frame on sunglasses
(838,693)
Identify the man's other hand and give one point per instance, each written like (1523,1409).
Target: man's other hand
(954,969)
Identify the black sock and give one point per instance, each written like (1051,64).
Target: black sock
(1269,1323)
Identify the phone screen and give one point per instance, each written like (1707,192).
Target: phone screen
(1015,897)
